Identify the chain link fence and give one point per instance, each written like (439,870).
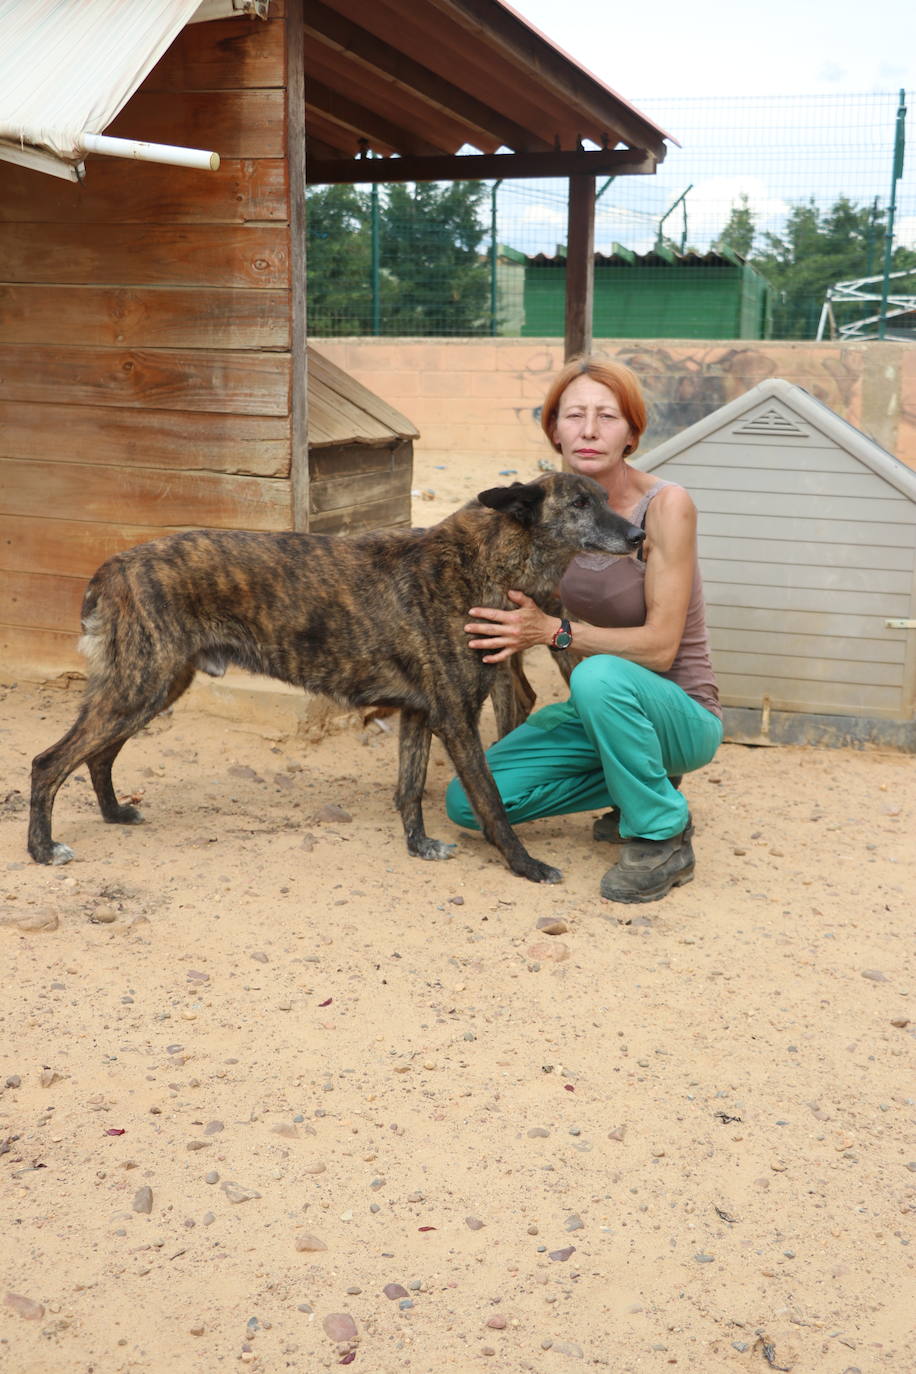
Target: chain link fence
(746,230)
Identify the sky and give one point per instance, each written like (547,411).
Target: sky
(670,59)
(717,48)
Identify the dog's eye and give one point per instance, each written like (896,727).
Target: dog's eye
(581,501)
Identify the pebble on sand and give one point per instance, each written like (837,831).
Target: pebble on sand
(308,1242)
(552,925)
(339,1326)
(394,1290)
(143,1199)
(24,1307)
(563,1254)
(550,951)
(474,1223)
(236,1193)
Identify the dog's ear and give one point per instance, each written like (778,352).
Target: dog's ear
(522,501)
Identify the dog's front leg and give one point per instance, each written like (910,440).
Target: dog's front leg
(413,760)
(463,744)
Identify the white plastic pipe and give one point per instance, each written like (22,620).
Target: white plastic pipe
(149,152)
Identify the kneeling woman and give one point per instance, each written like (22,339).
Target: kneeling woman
(643,707)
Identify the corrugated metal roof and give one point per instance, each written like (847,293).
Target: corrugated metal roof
(625,258)
(342,411)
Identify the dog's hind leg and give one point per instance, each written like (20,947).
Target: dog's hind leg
(101,728)
(512,696)
(463,744)
(100,764)
(413,761)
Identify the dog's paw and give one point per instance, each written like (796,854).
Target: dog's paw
(426,848)
(537,872)
(125,815)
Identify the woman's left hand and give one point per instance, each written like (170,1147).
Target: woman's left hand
(504,633)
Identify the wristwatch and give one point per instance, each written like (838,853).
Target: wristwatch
(563,637)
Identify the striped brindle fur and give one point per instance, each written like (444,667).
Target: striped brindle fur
(375,620)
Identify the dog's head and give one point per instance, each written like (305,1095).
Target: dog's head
(567,510)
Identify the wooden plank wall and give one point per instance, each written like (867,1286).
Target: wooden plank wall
(145,333)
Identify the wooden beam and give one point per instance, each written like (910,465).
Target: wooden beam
(323,25)
(481,167)
(362,122)
(580,266)
(295,152)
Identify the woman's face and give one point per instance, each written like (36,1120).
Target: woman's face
(590,430)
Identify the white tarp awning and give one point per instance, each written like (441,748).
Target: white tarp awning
(68,66)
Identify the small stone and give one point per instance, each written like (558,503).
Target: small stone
(211,1177)
(198,1145)
(260,957)
(532,1230)
(236,1193)
(901,1022)
(874,975)
(208,1219)
(573,1223)
(617,1133)
(912,1166)
(143,1200)
(538,1133)
(197,1329)
(104,915)
(309,1243)
(487,1350)
(474,1223)
(394,1290)
(552,925)
(568,1348)
(548,951)
(333,814)
(406,1304)
(24,1307)
(704,1259)
(213,1128)
(339,1326)
(318,1166)
(286,1129)
(48,1078)
(497,1323)
(563,1254)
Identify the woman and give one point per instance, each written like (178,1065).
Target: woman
(643,705)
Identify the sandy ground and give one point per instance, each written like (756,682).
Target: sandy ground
(257,1066)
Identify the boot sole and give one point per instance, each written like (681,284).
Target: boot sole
(655,894)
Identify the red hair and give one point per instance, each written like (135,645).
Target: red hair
(616,377)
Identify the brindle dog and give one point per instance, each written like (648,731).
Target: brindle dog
(372,620)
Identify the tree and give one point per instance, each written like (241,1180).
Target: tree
(338,261)
(740,229)
(431,237)
(817,249)
(432,277)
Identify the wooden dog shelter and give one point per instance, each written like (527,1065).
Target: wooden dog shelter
(153,358)
(807,536)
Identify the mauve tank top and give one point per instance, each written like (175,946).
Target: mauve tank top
(609,592)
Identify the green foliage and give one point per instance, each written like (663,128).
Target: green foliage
(740,229)
(432,278)
(817,249)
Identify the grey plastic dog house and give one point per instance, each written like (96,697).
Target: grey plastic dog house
(807,536)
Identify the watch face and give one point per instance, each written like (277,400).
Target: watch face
(562,639)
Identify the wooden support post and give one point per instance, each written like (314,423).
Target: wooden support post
(580,265)
(295,152)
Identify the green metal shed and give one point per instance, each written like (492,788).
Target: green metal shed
(657,295)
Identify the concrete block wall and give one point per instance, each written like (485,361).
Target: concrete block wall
(471,397)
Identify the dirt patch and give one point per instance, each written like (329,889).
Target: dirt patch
(264,1072)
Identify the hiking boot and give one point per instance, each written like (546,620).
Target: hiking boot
(648,869)
(607,827)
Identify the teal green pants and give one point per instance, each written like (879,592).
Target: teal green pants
(615,742)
